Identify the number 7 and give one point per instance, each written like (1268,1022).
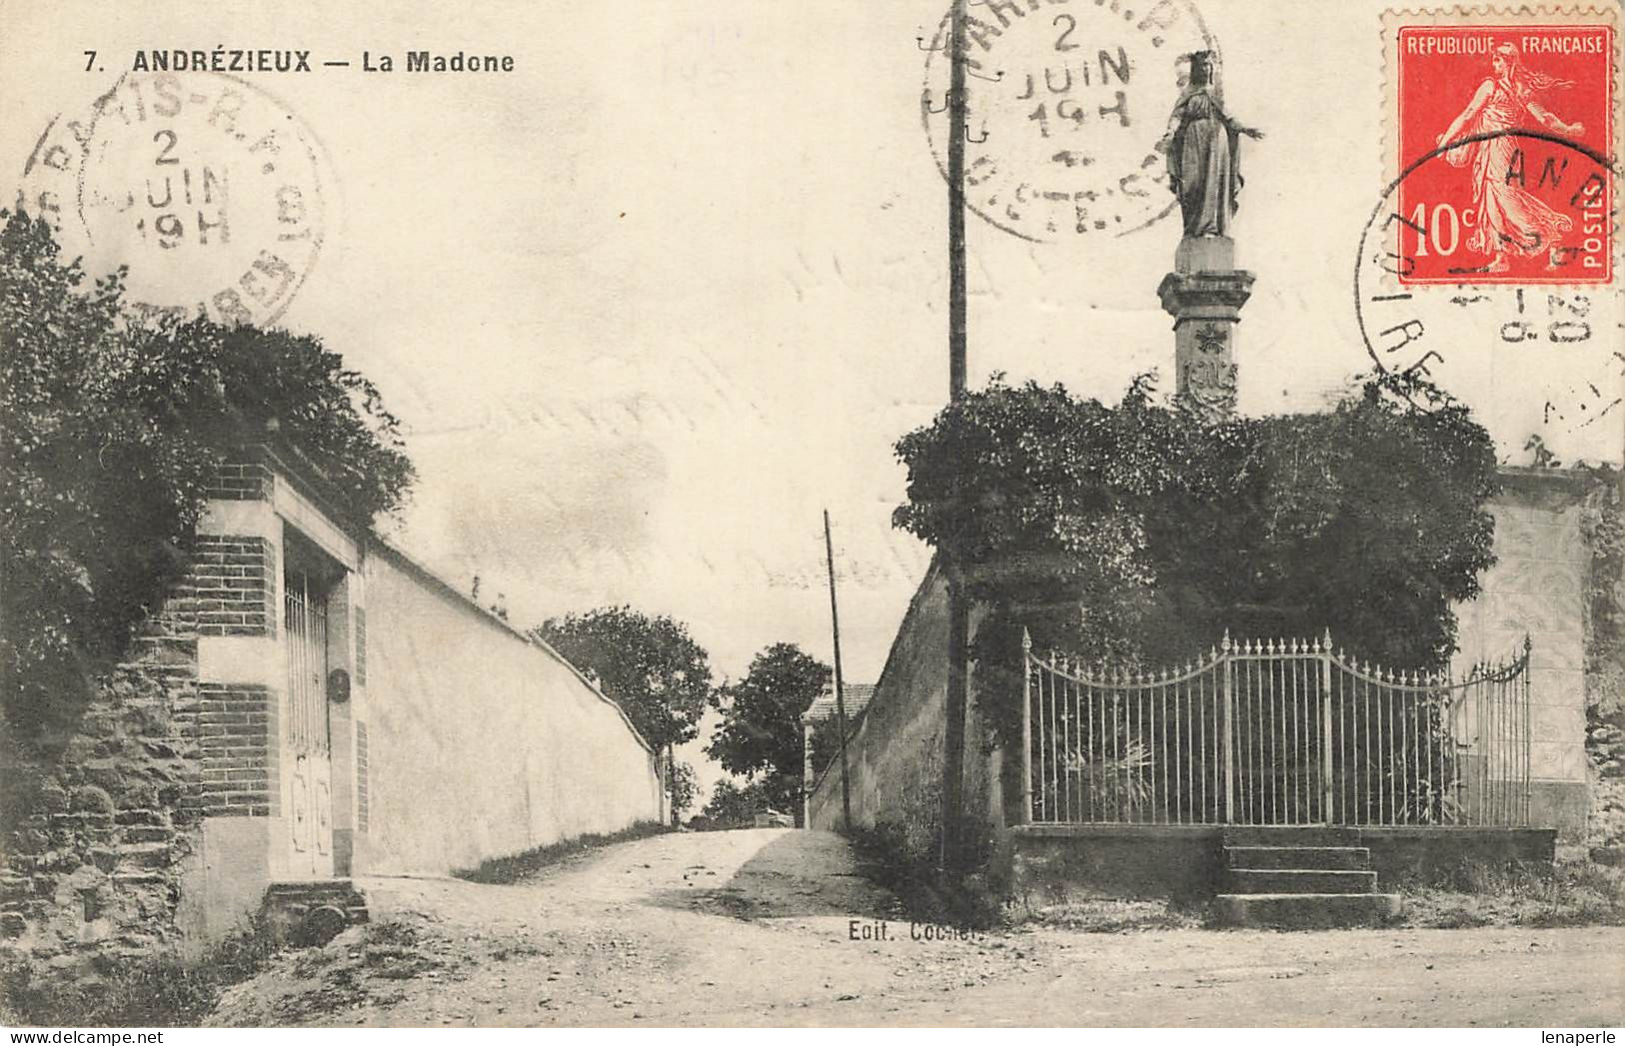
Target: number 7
(90,60)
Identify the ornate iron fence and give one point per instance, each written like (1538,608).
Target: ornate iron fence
(1276,732)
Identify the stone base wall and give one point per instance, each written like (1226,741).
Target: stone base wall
(104,824)
(96,827)
(1056,864)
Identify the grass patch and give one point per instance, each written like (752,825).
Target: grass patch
(160,991)
(1573,892)
(378,964)
(1111,915)
(503,870)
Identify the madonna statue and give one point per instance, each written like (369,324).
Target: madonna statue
(1203,167)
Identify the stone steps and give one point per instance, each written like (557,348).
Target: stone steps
(313,911)
(1301,880)
(1291,835)
(1324,857)
(1292,877)
(1305,911)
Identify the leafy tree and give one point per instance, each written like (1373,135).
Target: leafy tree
(1138,533)
(760,732)
(650,666)
(734,806)
(111,428)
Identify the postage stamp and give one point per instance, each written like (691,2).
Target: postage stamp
(1065,105)
(1493,247)
(1515,105)
(209,190)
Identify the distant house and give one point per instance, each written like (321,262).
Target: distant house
(856,697)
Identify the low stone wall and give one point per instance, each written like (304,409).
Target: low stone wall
(1427,853)
(98,817)
(1054,864)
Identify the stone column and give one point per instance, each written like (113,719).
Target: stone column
(1204,294)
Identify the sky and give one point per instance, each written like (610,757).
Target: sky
(651,302)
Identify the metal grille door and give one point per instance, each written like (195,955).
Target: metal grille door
(1276,732)
(306,738)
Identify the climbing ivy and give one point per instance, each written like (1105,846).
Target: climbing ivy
(1139,533)
(110,430)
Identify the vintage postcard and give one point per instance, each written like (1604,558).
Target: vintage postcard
(947,513)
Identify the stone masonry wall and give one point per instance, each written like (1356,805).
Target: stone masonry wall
(95,833)
(895,756)
(96,826)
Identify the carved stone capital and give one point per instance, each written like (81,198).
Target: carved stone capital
(1205,295)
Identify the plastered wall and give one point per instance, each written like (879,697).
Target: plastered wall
(1536,588)
(480,744)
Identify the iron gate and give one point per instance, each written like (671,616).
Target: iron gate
(1276,732)
(308,739)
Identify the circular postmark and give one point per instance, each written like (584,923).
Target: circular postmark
(1065,105)
(1537,357)
(206,188)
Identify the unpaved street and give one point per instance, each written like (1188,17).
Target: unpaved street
(754,928)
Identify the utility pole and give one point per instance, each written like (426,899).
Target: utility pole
(840,696)
(953,762)
(957,116)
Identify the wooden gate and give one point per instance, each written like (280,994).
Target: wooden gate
(308,743)
(1276,732)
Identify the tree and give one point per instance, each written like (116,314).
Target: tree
(1137,534)
(760,732)
(734,806)
(650,666)
(111,429)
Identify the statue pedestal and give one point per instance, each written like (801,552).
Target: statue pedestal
(1204,294)
(1205,254)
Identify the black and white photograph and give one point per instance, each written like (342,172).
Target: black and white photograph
(922,514)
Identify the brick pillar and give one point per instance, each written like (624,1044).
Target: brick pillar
(236,589)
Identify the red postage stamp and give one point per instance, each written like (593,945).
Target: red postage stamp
(1504,137)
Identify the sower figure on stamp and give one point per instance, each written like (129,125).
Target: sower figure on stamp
(1201,145)
(1509,218)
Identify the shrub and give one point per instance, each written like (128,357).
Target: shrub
(1137,534)
(165,990)
(111,429)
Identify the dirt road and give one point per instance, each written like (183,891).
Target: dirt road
(758,927)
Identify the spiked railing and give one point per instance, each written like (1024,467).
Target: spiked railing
(1275,731)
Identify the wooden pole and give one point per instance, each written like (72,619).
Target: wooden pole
(957,697)
(840,696)
(957,115)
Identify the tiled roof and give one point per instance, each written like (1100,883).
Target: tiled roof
(855,696)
